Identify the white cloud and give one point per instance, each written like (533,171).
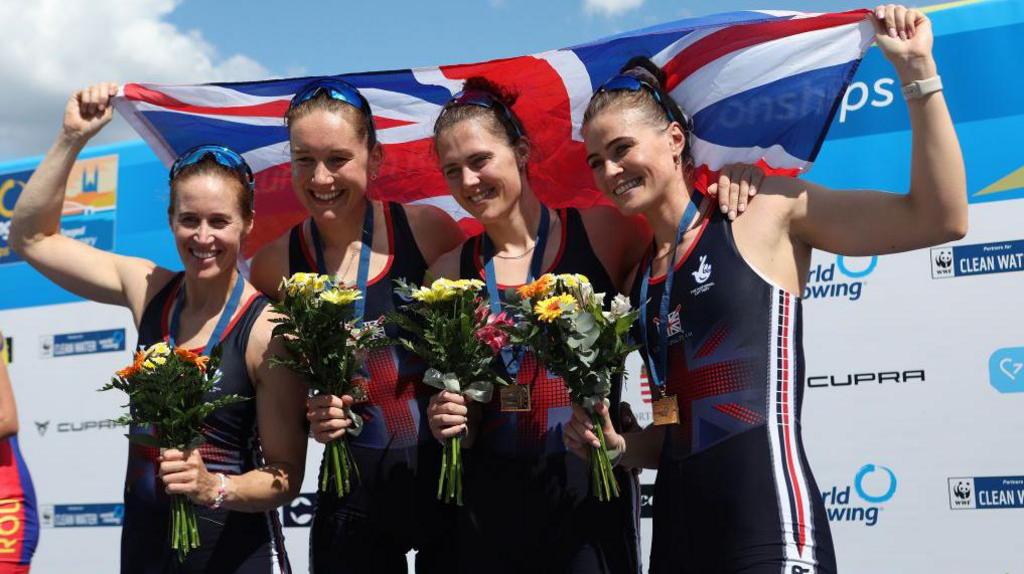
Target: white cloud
(53,47)
(610,7)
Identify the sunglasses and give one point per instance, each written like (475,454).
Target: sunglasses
(220,154)
(483,99)
(622,82)
(337,90)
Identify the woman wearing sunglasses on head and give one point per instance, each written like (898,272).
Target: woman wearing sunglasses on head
(238,477)
(519,477)
(527,502)
(734,490)
(366,243)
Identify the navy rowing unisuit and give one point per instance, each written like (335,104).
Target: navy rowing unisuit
(393,507)
(734,491)
(231,542)
(520,479)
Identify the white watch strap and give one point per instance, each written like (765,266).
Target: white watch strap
(921,88)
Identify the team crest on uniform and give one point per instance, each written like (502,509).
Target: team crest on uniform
(701,276)
(675,325)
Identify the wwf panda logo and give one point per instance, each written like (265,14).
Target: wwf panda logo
(944,260)
(962,490)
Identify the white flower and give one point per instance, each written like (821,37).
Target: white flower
(620,306)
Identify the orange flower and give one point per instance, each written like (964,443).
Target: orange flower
(134,368)
(538,288)
(190,357)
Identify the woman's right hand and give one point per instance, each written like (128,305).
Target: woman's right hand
(447,415)
(328,416)
(88,110)
(579,434)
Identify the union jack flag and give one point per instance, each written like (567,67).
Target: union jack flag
(760,87)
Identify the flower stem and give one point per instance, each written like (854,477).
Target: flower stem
(601,468)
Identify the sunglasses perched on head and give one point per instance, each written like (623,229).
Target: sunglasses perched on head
(483,99)
(626,83)
(341,91)
(220,154)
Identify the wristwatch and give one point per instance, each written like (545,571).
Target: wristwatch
(921,88)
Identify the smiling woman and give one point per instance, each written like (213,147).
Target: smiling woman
(237,476)
(366,244)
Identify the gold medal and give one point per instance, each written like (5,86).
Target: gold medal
(665,410)
(515,398)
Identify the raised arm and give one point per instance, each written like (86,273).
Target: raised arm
(935,210)
(35,227)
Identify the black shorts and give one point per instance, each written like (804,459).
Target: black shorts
(538,516)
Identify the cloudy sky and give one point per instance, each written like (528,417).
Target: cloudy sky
(52,47)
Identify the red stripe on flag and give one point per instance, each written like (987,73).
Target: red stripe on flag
(275,109)
(740,36)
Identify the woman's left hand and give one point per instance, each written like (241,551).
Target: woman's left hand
(736,184)
(185,473)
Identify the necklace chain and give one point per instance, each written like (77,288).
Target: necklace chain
(520,256)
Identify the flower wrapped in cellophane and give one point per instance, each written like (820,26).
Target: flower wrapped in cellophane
(563,321)
(166,389)
(326,343)
(451,327)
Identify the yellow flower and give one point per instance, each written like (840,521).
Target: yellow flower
(148,365)
(553,307)
(305,284)
(433,294)
(539,288)
(160,349)
(342,296)
(573,280)
(468,284)
(320,282)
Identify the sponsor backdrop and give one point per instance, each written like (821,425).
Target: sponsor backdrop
(915,362)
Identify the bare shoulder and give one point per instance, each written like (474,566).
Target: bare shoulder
(270,265)
(447,265)
(599,220)
(435,231)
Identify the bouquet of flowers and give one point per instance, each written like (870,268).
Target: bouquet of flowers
(166,389)
(326,342)
(562,320)
(451,327)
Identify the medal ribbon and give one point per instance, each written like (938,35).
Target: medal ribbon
(225,317)
(658,369)
(509,355)
(365,250)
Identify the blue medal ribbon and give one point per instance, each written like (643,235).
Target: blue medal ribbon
(658,370)
(509,355)
(363,271)
(225,317)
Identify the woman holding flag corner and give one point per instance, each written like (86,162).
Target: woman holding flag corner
(239,476)
(734,491)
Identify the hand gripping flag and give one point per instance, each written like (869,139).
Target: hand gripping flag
(761,87)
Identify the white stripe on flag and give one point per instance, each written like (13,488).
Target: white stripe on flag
(447,204)
(768,62)
(261,158)
(670,51)
(577,81)
(399,106)
(213,96)
(715,156)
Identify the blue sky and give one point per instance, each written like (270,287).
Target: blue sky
(322,37)
(53,47)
